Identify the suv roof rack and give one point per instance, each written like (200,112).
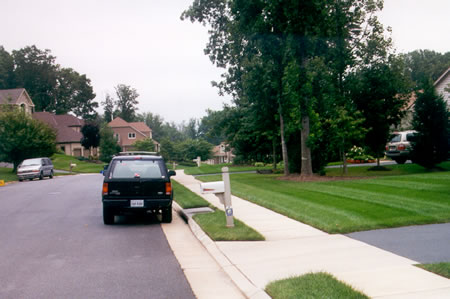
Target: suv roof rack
(133,153)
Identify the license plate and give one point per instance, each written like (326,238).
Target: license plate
(137,203)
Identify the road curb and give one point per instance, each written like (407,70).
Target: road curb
(248,289)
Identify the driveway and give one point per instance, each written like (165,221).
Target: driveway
(54,245)
(424,243)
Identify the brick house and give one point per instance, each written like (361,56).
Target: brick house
(17,96)
(221,154)
(68,137)
(127,133)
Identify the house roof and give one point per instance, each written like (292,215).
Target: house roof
(63,125)
(118,122)
(139,127)
(11,96)
(442,77)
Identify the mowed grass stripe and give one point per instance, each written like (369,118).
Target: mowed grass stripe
(345,206)
(382,197)
(436,199)
(311,208)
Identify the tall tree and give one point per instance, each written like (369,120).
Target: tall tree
(74,93)
(430,120)
(22,137)
(126,102)
(91,136)
(36,71)
(380,96)
(108,105)
(154,122)
(425,64)
(6,70)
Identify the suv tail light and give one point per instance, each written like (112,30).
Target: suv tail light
(105,189)
(168,188)
(387,147)
(401,147)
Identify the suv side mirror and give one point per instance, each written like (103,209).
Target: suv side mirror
(172,173)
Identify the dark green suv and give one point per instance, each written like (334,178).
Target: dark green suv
(137,182)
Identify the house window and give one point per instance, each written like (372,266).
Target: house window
(131,135)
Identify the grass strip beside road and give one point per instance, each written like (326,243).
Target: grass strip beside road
(312,285)
(186,198)
(214,224)
(442,269)
(7,174)
(351,205)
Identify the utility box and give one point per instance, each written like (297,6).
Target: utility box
(212,187)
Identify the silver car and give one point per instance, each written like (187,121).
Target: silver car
(35,168)
(399,146)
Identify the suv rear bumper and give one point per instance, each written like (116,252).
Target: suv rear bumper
(125,205)
(397,154)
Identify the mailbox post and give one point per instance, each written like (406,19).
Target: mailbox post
(227,197)
(223,191)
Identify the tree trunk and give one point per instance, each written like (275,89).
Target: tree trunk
(283,143)
(274,153)
(378,161)
(306,169)
(344,163)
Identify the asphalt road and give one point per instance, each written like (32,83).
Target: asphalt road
(424,243)
(53,244)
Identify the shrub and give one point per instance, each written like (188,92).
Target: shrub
(259,164)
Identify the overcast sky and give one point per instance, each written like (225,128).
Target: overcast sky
(144,44)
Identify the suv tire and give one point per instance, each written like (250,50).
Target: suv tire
(51,174)
(108,216)
(167,215)
(41,176)
(400,160)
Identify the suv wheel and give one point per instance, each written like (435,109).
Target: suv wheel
(167,215)
(400,160)
(51,174)
(108,216)
(41,176)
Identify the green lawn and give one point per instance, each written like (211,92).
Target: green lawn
(186,198)
(392,170)
(7,175)
(313,285)
(442,269)
(351,205)
(207,169)
(214,224)
(62,162)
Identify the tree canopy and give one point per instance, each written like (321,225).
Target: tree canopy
(22,137)
(51,87)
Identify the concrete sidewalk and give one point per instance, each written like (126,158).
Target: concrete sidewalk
(293,248)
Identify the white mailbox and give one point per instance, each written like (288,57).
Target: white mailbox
(212,187)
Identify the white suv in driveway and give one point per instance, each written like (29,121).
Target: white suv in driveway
(399,147)
(35,168)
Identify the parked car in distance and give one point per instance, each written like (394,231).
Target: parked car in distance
(137,182)
(399,146)
(35,168)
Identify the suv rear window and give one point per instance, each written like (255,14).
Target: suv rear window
(396,138)
(144,169)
